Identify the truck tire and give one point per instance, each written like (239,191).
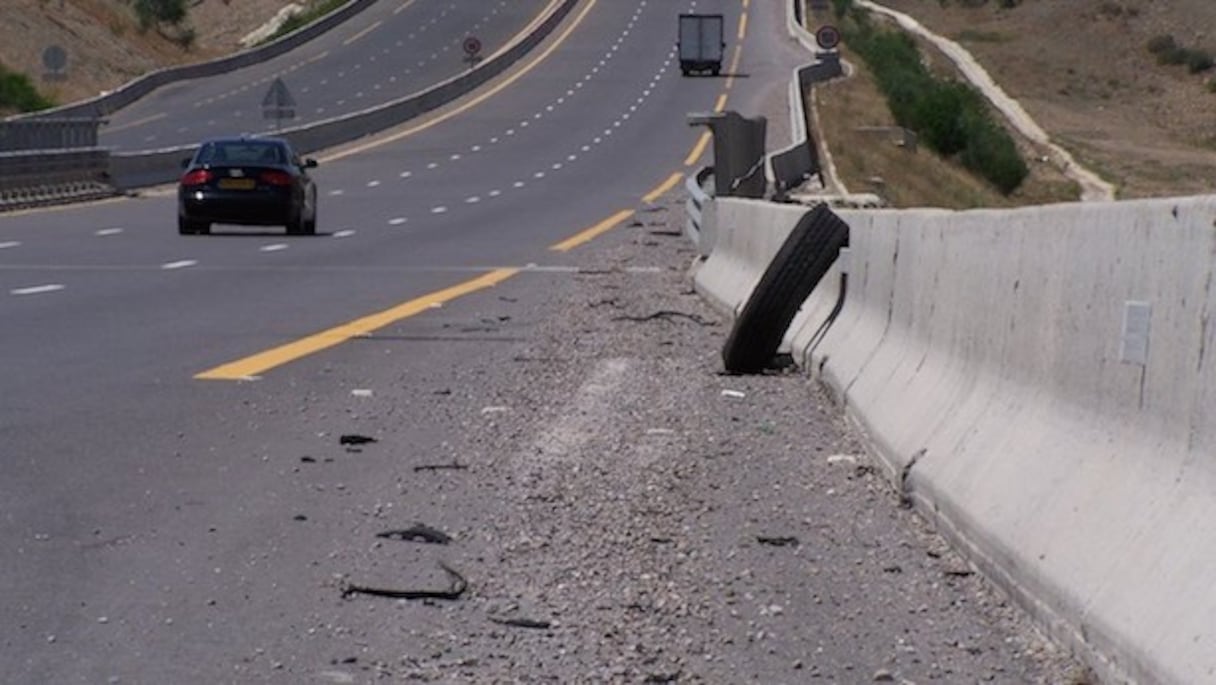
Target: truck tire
(804,257)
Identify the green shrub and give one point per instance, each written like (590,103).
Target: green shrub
(1198,61)
(155,12)
(1172,56)
(991,153)
(951,117)
(17,93)
(1162,43)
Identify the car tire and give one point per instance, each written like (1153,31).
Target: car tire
(804,258)
(295,225)
(192,227)
(310,226)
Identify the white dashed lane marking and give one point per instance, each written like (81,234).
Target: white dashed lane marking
(37,289)
(275,247)
(183,264)
(344,233)
(108,231)
(9,243)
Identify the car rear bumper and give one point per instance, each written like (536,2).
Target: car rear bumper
(255,207)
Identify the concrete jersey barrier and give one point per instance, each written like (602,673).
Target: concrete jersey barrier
(983,353)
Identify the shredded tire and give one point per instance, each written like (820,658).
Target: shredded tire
(799,265)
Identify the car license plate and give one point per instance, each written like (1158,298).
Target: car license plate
(237,183)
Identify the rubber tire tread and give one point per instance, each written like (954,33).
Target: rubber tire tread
(804,258)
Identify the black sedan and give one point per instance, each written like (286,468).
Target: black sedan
(248,181)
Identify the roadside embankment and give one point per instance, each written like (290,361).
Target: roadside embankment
(1038,382)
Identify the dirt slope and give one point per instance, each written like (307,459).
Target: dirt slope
(104,44)
(1082,69)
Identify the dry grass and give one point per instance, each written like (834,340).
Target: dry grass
(1081,68)
(869,161)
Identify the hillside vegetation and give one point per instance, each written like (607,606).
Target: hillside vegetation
(110,42)
(1086,71)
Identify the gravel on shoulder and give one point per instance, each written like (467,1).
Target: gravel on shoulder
(623,511)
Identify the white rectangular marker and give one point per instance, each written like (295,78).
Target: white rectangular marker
(8,244)
(179,265)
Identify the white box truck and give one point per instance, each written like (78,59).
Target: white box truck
(700,43)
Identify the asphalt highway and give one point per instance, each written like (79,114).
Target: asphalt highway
(389,50)
(498,297)
(139,361)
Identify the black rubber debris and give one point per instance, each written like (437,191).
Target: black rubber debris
(788,541)
(417,533)
(523,623)
(455,589)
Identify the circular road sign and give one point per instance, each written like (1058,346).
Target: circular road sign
(828,37)
(54,58)
(472,46)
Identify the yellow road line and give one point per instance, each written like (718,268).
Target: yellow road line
(734,66)
(375,25)
(721,105)
(698,149)
(663,187)
(264,361)
(137,122)
(742,25)
(471,103)
(590,233)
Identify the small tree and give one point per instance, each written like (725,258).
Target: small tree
(155,12)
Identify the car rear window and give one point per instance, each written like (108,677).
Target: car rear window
(242,153)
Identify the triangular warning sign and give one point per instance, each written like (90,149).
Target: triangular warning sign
(278,96)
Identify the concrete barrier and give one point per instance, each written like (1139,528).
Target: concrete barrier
(1044,378)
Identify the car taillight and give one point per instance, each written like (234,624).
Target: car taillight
(197,177)
(276,178)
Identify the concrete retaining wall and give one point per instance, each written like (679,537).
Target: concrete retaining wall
(985,348)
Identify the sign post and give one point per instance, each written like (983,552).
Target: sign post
(55,59)
(472,50)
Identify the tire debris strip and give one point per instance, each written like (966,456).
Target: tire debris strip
(417,533)
(455,590)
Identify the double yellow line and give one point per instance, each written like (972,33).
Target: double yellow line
(252,366)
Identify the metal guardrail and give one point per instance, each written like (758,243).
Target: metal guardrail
(33,178)
(797,163)
(48,134)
